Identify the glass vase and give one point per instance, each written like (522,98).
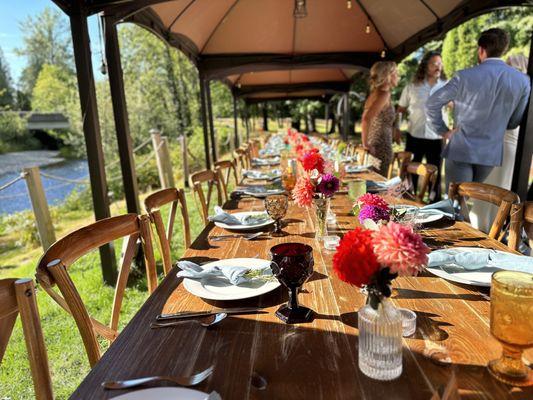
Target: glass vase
(380,341)
(321,209)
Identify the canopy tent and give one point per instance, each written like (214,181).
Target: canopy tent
(232,37)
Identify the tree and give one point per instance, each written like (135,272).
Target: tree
(46,40)
(459,49)
(6,87)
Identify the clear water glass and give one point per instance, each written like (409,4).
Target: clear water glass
(356,188)
(380,341)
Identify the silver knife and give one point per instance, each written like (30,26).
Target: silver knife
(194,314)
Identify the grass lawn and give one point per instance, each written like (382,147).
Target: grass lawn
(67,357)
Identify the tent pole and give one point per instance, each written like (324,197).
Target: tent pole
(214,143)
(524,148)
(345,117)
(326,118)
(120,112)
(91,131)
(203,111)
(265,116)
(236,122)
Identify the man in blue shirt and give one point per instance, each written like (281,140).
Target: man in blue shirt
(488,99)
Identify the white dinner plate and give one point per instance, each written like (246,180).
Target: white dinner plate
(426,217)
(423,216)
(265,176)
(261,191)
(270,221)
(455,273)
(217,288)
(163,393)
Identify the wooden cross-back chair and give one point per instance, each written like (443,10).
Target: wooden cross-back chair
(54,265)
(243,161)
(362,155)
(212,179)
(153,203)
(254,145)
(18,296)
(502,198)
(225,169)
(400,159)
(428,174)
(521,218)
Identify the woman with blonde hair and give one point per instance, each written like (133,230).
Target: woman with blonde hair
(378,115)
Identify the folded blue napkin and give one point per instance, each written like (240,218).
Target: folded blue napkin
(351,169)
(383,185)
(229,219)
(444,207)
(236,275)
(479,258)
(261,174)
(265,161)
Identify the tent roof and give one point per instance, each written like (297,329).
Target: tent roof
(291,83)
(227,37)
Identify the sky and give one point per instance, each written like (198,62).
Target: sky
(13,12)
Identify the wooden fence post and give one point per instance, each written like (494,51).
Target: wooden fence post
(162,155)
(40,207)
(185,160)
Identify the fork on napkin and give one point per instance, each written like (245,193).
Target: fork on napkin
(236,275)
(480,258)
(229,219)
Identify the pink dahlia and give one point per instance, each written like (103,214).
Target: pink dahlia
(370,199)
(400,248)
(303,191)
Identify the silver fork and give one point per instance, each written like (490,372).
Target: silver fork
(248,236)
(178,380)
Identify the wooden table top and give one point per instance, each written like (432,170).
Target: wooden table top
(317,360)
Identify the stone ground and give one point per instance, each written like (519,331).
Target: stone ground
(14,162)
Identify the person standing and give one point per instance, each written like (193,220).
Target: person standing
(482,213)
(488,99)
(378,115)
(421,140)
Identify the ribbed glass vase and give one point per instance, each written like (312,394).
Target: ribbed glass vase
(321,208)
(380,341)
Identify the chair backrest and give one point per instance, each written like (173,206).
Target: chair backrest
(428,173)
(54,265)
(521,217)
(362,155)
(212,178)
(153,203)
(243,160)
(18,296)
(225,169)
(400,159)
(502,198)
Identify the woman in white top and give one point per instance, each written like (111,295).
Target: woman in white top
(482,214)
(421,140)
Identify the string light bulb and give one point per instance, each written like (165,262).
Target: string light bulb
(383,53)
(349,4)
(367,28)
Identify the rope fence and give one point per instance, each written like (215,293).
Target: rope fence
(12,182)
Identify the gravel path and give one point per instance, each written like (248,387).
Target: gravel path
(14,162)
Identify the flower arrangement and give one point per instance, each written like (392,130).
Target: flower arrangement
(315,183)
(373,207)
(372,259)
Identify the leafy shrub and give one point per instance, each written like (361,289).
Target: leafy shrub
(24,226)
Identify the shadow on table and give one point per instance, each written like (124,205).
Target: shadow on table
(402,293)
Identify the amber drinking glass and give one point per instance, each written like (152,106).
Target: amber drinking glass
(288,180)
(276,207)
(511,323)
(292,264)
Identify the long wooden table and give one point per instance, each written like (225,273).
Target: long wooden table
(317,360)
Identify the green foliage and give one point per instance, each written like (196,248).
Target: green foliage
(46,40)
(6,85)
(23,223)
(459,49)
(14,133)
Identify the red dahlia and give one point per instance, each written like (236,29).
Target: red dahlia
(355,261)
(313,160)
